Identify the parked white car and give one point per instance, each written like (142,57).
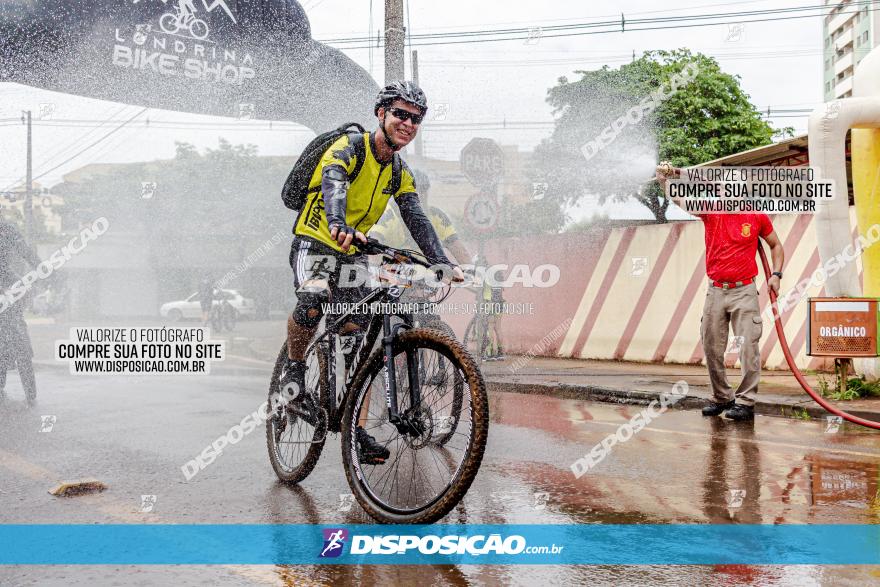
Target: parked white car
(190,307)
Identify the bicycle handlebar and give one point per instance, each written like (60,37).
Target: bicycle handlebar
(374,247)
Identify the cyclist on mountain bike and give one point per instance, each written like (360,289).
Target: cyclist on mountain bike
(337,214)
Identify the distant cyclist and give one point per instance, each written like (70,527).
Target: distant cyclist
(392,231)
(337,213)
(493,301)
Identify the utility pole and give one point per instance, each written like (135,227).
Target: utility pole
(29,191)
(395,36)
(419,148)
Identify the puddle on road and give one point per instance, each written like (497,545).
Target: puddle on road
(682,469)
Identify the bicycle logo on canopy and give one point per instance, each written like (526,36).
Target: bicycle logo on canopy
(178,45)
(184,18)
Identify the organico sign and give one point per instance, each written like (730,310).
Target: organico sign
(200,56)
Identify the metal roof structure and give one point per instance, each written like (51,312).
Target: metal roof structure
(790,152)
(793,152)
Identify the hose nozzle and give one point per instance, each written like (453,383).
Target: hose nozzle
(665,168)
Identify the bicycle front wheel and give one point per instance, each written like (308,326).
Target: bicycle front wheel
(216,318)
(199,29)
(429,468)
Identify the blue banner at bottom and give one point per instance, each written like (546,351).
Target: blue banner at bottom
(439,544)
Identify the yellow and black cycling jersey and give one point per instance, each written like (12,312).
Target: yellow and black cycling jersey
(367,196)
(392,231)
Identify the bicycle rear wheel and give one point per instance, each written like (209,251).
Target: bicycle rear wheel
(427,474)
(169,23)
(295,433)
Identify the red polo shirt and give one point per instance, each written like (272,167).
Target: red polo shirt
(732,243)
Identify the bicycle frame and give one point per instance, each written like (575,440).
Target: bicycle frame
(326,343)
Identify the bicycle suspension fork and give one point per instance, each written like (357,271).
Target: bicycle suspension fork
(403,423)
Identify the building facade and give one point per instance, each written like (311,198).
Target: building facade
(849,32)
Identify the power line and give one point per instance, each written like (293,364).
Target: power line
(60,152)
(615,15)
(178,124)
(84,149)
(615,26)
(605,59)
(601,32)
(288,127)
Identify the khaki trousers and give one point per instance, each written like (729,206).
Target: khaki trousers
(737,307)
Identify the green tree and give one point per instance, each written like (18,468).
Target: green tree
(222,193)
(707,118)
(209,209)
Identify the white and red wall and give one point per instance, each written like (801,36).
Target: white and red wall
(651,313)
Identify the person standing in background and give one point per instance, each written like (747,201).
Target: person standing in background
(16,351)
(391,230)
(732,300)
(206,298)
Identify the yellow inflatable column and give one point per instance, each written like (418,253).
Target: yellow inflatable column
(866,188)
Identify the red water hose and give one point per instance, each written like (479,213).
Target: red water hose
(790,360)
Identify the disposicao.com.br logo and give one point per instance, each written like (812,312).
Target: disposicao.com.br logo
(431,544)
(334,542)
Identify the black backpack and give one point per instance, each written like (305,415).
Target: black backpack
(296,188)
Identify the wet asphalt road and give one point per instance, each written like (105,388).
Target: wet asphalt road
(135,433)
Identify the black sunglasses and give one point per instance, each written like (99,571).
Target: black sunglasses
(402,114)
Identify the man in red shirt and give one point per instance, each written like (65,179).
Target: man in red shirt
(732,299)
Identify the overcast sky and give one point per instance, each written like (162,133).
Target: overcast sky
(779,63)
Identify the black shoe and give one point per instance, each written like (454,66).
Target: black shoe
(292,381)
(370,452)
(294,400)
(715,409)
(740,413)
